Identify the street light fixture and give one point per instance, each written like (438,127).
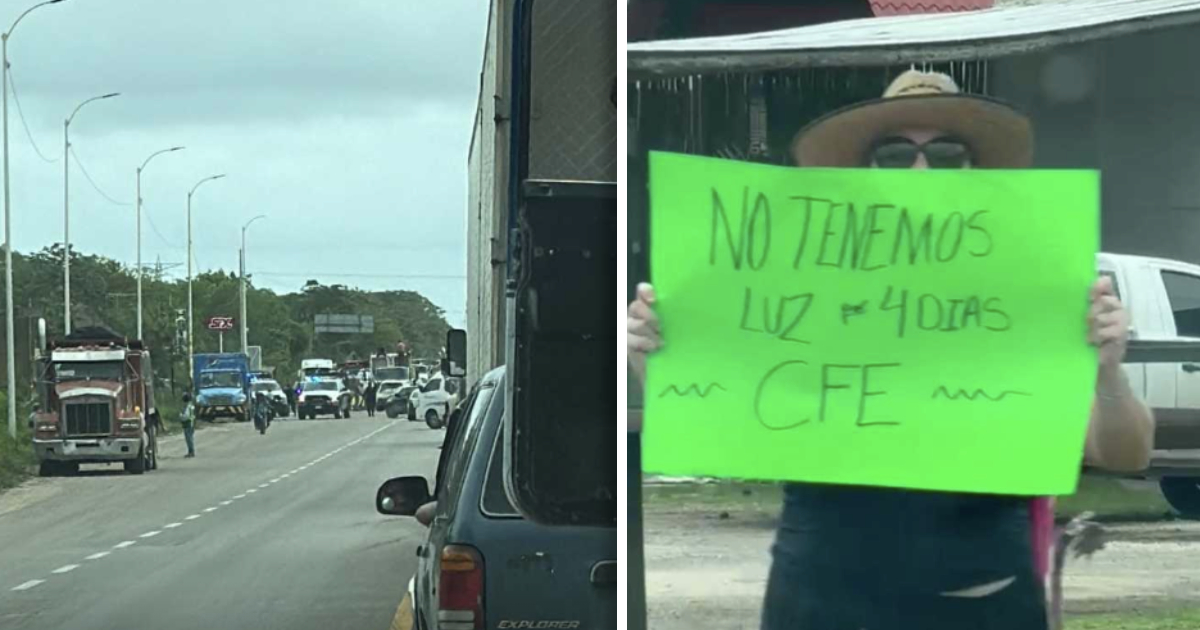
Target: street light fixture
(67,209)
(139,235)
(9,337)
(191,320)
(242,273)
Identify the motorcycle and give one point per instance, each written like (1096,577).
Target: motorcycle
(262,415)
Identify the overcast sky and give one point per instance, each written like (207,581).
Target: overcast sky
(346,122)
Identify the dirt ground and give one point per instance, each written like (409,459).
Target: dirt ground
(704,571)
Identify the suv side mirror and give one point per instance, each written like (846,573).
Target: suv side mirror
(402,496)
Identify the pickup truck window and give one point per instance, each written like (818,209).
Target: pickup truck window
(1183,291)
(432,386)
(1116,285)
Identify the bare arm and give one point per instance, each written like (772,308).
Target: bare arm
(1121,429)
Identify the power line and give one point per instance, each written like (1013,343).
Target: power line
(91,181)
(159,234)
(21,114)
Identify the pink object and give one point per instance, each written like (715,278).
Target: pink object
(1041,521)
(906,7)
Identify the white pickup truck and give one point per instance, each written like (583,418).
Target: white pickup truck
(1163,298)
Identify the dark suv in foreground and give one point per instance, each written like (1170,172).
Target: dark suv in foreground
(483,565)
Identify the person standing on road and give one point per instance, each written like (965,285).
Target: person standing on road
(371,395)
(290,392)
(848,557)
(187,419)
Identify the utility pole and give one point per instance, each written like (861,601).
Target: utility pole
(139,233)
(9,333)
(242,283)
(242,298)
(191,328)
(67,210)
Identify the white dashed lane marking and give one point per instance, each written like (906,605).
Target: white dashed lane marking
(226,502)
(65,569)
(151,534)
(210,509)
(97,556)
(172,525)
(192,517)
(125,545)
(28,585)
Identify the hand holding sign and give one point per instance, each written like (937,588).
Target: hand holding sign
(641,329)
(892,328)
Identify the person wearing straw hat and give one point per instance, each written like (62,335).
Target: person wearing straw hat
(859,558)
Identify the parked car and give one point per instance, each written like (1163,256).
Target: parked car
(435,400)
(482,565)
(399,403)
(384,394)
(279,402)
(1163,299)
(323,396)
(414,397)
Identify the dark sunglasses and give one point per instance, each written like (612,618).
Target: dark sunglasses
(897,152)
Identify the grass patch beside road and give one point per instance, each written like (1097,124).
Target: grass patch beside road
(168,411)
(1178,619)
(740,497)
(16,458)
(1107,497)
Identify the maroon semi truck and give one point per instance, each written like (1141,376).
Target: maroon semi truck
(96,404)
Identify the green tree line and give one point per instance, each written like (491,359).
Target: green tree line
(103,293)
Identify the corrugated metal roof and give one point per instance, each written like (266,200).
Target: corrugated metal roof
(905,7)
(935,37)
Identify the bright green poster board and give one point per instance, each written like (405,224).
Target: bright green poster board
(915,329)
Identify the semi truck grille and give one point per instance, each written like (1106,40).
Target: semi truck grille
(221,400)
(89,419)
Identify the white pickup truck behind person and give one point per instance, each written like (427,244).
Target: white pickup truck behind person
(1163,299)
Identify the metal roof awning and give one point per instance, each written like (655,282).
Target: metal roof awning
(922,38)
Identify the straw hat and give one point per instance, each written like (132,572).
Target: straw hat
(999,135)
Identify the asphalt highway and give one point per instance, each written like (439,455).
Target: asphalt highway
(275,531)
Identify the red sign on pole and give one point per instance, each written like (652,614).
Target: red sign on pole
(220,323)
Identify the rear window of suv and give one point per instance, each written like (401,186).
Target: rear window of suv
(495,501)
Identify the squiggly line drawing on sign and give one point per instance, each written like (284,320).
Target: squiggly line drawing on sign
(694,388)
(977,394)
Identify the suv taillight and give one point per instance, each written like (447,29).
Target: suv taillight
(460,589)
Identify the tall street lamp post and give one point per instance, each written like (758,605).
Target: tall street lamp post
(9,337)
(67,210)
(191,321)
(140,272)
(242,273)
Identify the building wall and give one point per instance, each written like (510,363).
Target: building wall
(1122,106)
(486,203)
